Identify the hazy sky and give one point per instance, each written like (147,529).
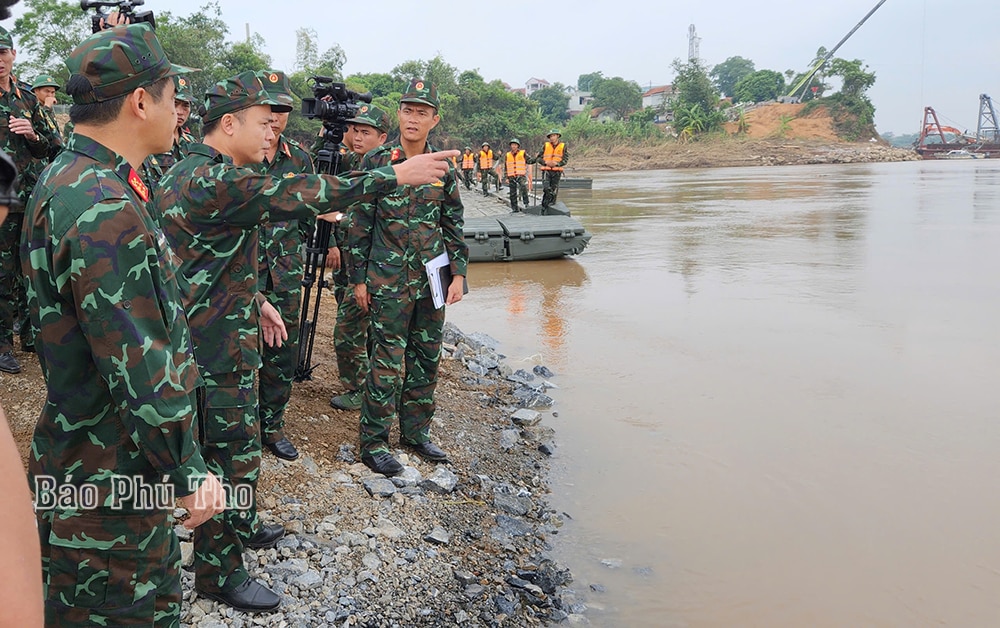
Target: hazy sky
(941,53)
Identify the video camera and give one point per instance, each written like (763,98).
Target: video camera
(334,104)
(124,7)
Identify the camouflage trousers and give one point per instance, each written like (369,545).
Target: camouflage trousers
(110,568)
(13,303)
(227,417)
(486,176)
(467,178)
(350,340)
(278,370)
(405,339)
(550,186)
(518,184)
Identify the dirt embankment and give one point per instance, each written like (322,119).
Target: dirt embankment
(776,134)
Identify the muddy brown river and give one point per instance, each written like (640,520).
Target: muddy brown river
(777,399)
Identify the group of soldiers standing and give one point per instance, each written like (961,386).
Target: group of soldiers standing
(514,165)
(162,281)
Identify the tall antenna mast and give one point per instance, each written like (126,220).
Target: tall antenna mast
(693,41)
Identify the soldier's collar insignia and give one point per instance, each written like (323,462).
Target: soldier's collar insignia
(136,182)
(396,155)
(438,184)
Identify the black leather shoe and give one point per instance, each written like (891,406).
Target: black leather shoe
(249,597)
(283,449)
(267,537)
(382,462)
(428,451)
(8,363)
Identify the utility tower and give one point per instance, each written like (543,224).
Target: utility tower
(693,41)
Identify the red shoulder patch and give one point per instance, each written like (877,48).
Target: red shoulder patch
(137,184)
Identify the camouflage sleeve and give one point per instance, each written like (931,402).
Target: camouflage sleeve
(244,197)
(452,223)
(121,310)
(565,157)
(40,148)
(359,233)
(52,130)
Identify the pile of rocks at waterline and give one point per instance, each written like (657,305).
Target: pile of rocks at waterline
(463,544)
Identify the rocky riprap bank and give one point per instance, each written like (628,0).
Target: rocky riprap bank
(460,544)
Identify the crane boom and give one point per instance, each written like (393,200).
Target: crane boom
(830,54)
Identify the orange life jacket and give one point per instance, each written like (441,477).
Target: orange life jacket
(468,161)
(553,155)
(516,165)
(485,159)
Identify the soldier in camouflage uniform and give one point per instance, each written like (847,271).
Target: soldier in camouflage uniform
(116,437)
(212,203)
(44,88)
(552,158)
(486,164)
(365,132)
(157,165)
(390,240)
(280,275)
(25,137)
(468,167)
(515,165)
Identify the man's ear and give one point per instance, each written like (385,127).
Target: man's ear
(137,103)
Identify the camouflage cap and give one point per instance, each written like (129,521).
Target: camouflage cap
(183,89)
(276,84)
(421,91)
(238,92)
(119,60)
(6,41)
(372,116)
(554,132)
(45,80)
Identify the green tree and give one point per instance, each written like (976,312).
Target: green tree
(378,84)
(759,86)
(45,34)
(198,41)
(588,82)
(553,102)
(696,101)
(245,55)
(436,71)
(856,79)
(620,96)
(728,73)
(306,50)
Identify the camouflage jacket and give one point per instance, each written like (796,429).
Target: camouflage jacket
(156,166)
(113,341)
(281,241)
(211,211)
(393,236)
(30,157)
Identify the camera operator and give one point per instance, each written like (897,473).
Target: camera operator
(25,136)
(366,131)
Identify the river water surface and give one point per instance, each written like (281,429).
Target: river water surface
(776,402)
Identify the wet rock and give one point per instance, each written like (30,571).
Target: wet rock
(512,526)
(612,563)
(542,371)
(346,453)
(477,368)
(520,376)
(597,588)
(525,417)
(548,448)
